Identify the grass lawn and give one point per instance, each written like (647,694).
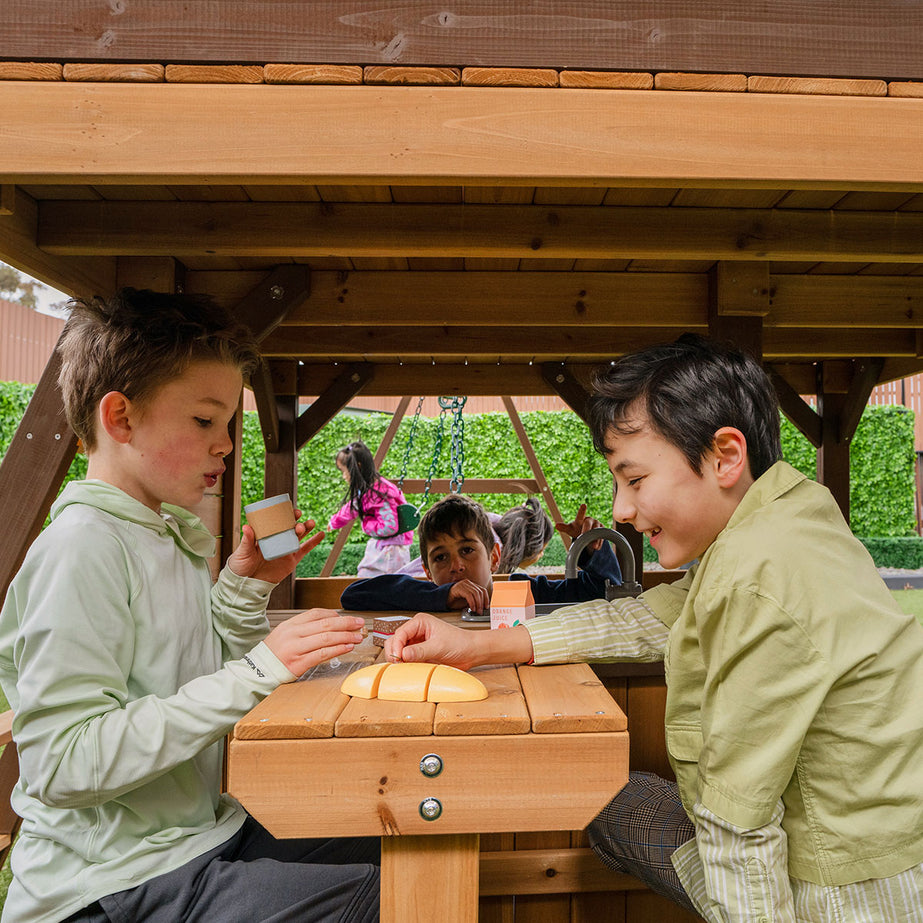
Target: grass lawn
(911,601)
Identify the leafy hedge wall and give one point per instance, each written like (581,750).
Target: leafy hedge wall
(881,455)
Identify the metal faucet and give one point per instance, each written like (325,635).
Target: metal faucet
(623,553)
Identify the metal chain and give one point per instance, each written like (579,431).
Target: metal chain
(411,434)
(457,405)
(437,451)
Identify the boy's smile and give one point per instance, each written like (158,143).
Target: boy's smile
(659,493)
(454,557)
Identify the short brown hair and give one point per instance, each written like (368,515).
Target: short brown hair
(137,341)
(454,515)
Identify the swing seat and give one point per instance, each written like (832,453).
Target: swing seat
(408,518)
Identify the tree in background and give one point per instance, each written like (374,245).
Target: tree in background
(18,288)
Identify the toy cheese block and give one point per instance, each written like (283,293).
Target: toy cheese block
(413,682)
(511,603)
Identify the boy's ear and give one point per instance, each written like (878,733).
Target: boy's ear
(495,558)
(730,458)
(114,416)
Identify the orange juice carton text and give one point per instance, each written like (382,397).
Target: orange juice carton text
(511,603)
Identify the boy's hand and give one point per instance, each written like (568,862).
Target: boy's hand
(313,636)
(467,594)
(582,523)
(427,639)
(248,561)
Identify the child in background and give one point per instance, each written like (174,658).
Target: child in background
(794,680)
(126,666)
(375,501)
(525,532)
(460,557)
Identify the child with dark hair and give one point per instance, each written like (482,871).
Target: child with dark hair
(126,665)
(374,500)
(525,532)
(793,678)
(460,557)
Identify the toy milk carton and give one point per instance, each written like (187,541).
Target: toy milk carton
(511,603)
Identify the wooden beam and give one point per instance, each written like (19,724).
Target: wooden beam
(534,463)
(266,408)
(584,299)
(724,322)
(482,345)
(33,470)
(722,37)
(340,392)
(18,228)
(119,133)
(305,229)
(474,486)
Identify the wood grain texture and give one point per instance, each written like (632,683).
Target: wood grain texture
(115,73)
(825,37)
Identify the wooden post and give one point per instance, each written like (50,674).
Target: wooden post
(281,475)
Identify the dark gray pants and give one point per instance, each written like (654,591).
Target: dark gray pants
(255,878)
(638,831)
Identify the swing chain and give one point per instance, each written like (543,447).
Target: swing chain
(413,431)
(437,452)
(458,443)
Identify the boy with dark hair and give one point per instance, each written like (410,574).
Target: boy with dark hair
(460,556)
(126,667)
(793,678)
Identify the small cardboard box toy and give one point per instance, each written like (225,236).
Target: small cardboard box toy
(511,603)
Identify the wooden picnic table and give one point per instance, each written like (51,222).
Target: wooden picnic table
(546,750)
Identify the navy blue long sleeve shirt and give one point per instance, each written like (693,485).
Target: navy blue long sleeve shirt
(403,592)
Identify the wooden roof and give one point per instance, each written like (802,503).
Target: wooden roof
(491,200)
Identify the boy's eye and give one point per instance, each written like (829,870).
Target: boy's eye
(201,421)
(633,482)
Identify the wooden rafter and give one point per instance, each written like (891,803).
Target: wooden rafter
(305,229)
(348,383)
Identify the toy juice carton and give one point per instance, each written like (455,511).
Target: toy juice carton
(511,603)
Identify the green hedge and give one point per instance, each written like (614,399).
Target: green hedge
(882,495)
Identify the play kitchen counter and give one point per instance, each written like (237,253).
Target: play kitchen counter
(546,750)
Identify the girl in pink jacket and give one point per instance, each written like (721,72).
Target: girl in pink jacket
(375,501)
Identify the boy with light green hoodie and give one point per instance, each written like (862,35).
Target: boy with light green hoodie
(126,667)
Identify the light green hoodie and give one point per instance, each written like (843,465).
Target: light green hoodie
(125,668)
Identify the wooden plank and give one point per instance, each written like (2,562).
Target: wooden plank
(120,73)
(605,80)
(337,74)
(411,76)
(509,77)
(266,408)
(805,418)
(367,787)
(566,385)
(214,73)
(175,133)
(564,701)
(9,820)
(33,469)
(549,871)
(504,710)
(866,373)
(429,878)
(829,86)
(713,83)
(474,485)
(379,718)
(304,229)
(786,38)
(280,474)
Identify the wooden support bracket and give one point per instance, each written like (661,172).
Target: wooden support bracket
(265,306)
(806,420)
(866,373)
(563,383)
(340,392)
(7,198)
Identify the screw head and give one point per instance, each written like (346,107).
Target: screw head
(431,765)
(430,808)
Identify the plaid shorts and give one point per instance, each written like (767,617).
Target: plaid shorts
(638,831)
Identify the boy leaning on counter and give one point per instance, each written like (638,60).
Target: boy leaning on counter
(794,680)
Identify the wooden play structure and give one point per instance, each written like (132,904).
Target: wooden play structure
(406,199)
